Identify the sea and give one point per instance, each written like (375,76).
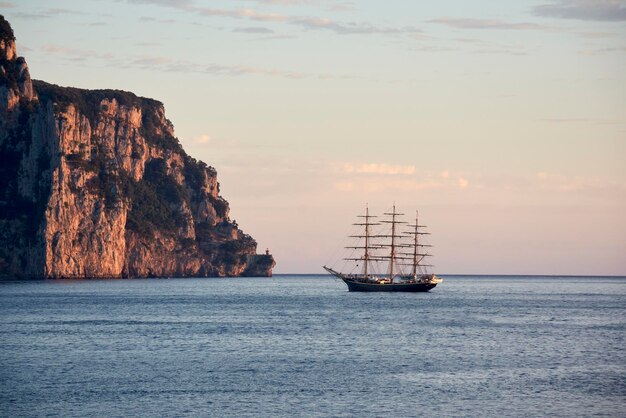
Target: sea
(475,346)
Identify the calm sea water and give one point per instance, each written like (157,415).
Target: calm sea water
(474,346)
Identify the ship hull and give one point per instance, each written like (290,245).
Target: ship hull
(354,286)
(366,284)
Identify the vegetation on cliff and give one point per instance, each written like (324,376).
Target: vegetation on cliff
(93,183)
(6,32)
(154,200)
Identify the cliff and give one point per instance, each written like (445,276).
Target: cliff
(93,183)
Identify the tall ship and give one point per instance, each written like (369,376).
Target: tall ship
(390,260)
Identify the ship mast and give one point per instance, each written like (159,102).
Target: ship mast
(417,256)
(393,246)
(416,243)
(366,256)
(367,246)
(392,253)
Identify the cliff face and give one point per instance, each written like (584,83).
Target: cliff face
(93,183)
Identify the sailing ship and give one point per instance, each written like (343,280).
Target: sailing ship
(404,249)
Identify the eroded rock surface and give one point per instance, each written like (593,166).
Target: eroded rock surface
(93,183)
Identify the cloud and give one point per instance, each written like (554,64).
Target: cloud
(28,15)
(432,48)
(256,30)
(374,168)
(316,23)
(389,184)
(75,52)
(470,23)
(235,13)
(500,51)
(343,6)
(58,11)
(47,13)
(595,121)
(202,139)
(150,62)
(326,4)
(95,24)
(306,22)
(152,19)
(167,3)
(167,64)
(598,35)
(595,10)
(605,50)
(275,37)
(6,4)
(286,2)
(560,183)
(486,47)
(374,177)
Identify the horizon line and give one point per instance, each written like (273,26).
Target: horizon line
(481,275)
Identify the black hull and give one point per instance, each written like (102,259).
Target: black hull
(354,286)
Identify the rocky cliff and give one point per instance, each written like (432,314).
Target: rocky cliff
(93,183)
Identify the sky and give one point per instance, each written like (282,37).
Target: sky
(503,122)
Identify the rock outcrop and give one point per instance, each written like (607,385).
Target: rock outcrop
(93,183)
